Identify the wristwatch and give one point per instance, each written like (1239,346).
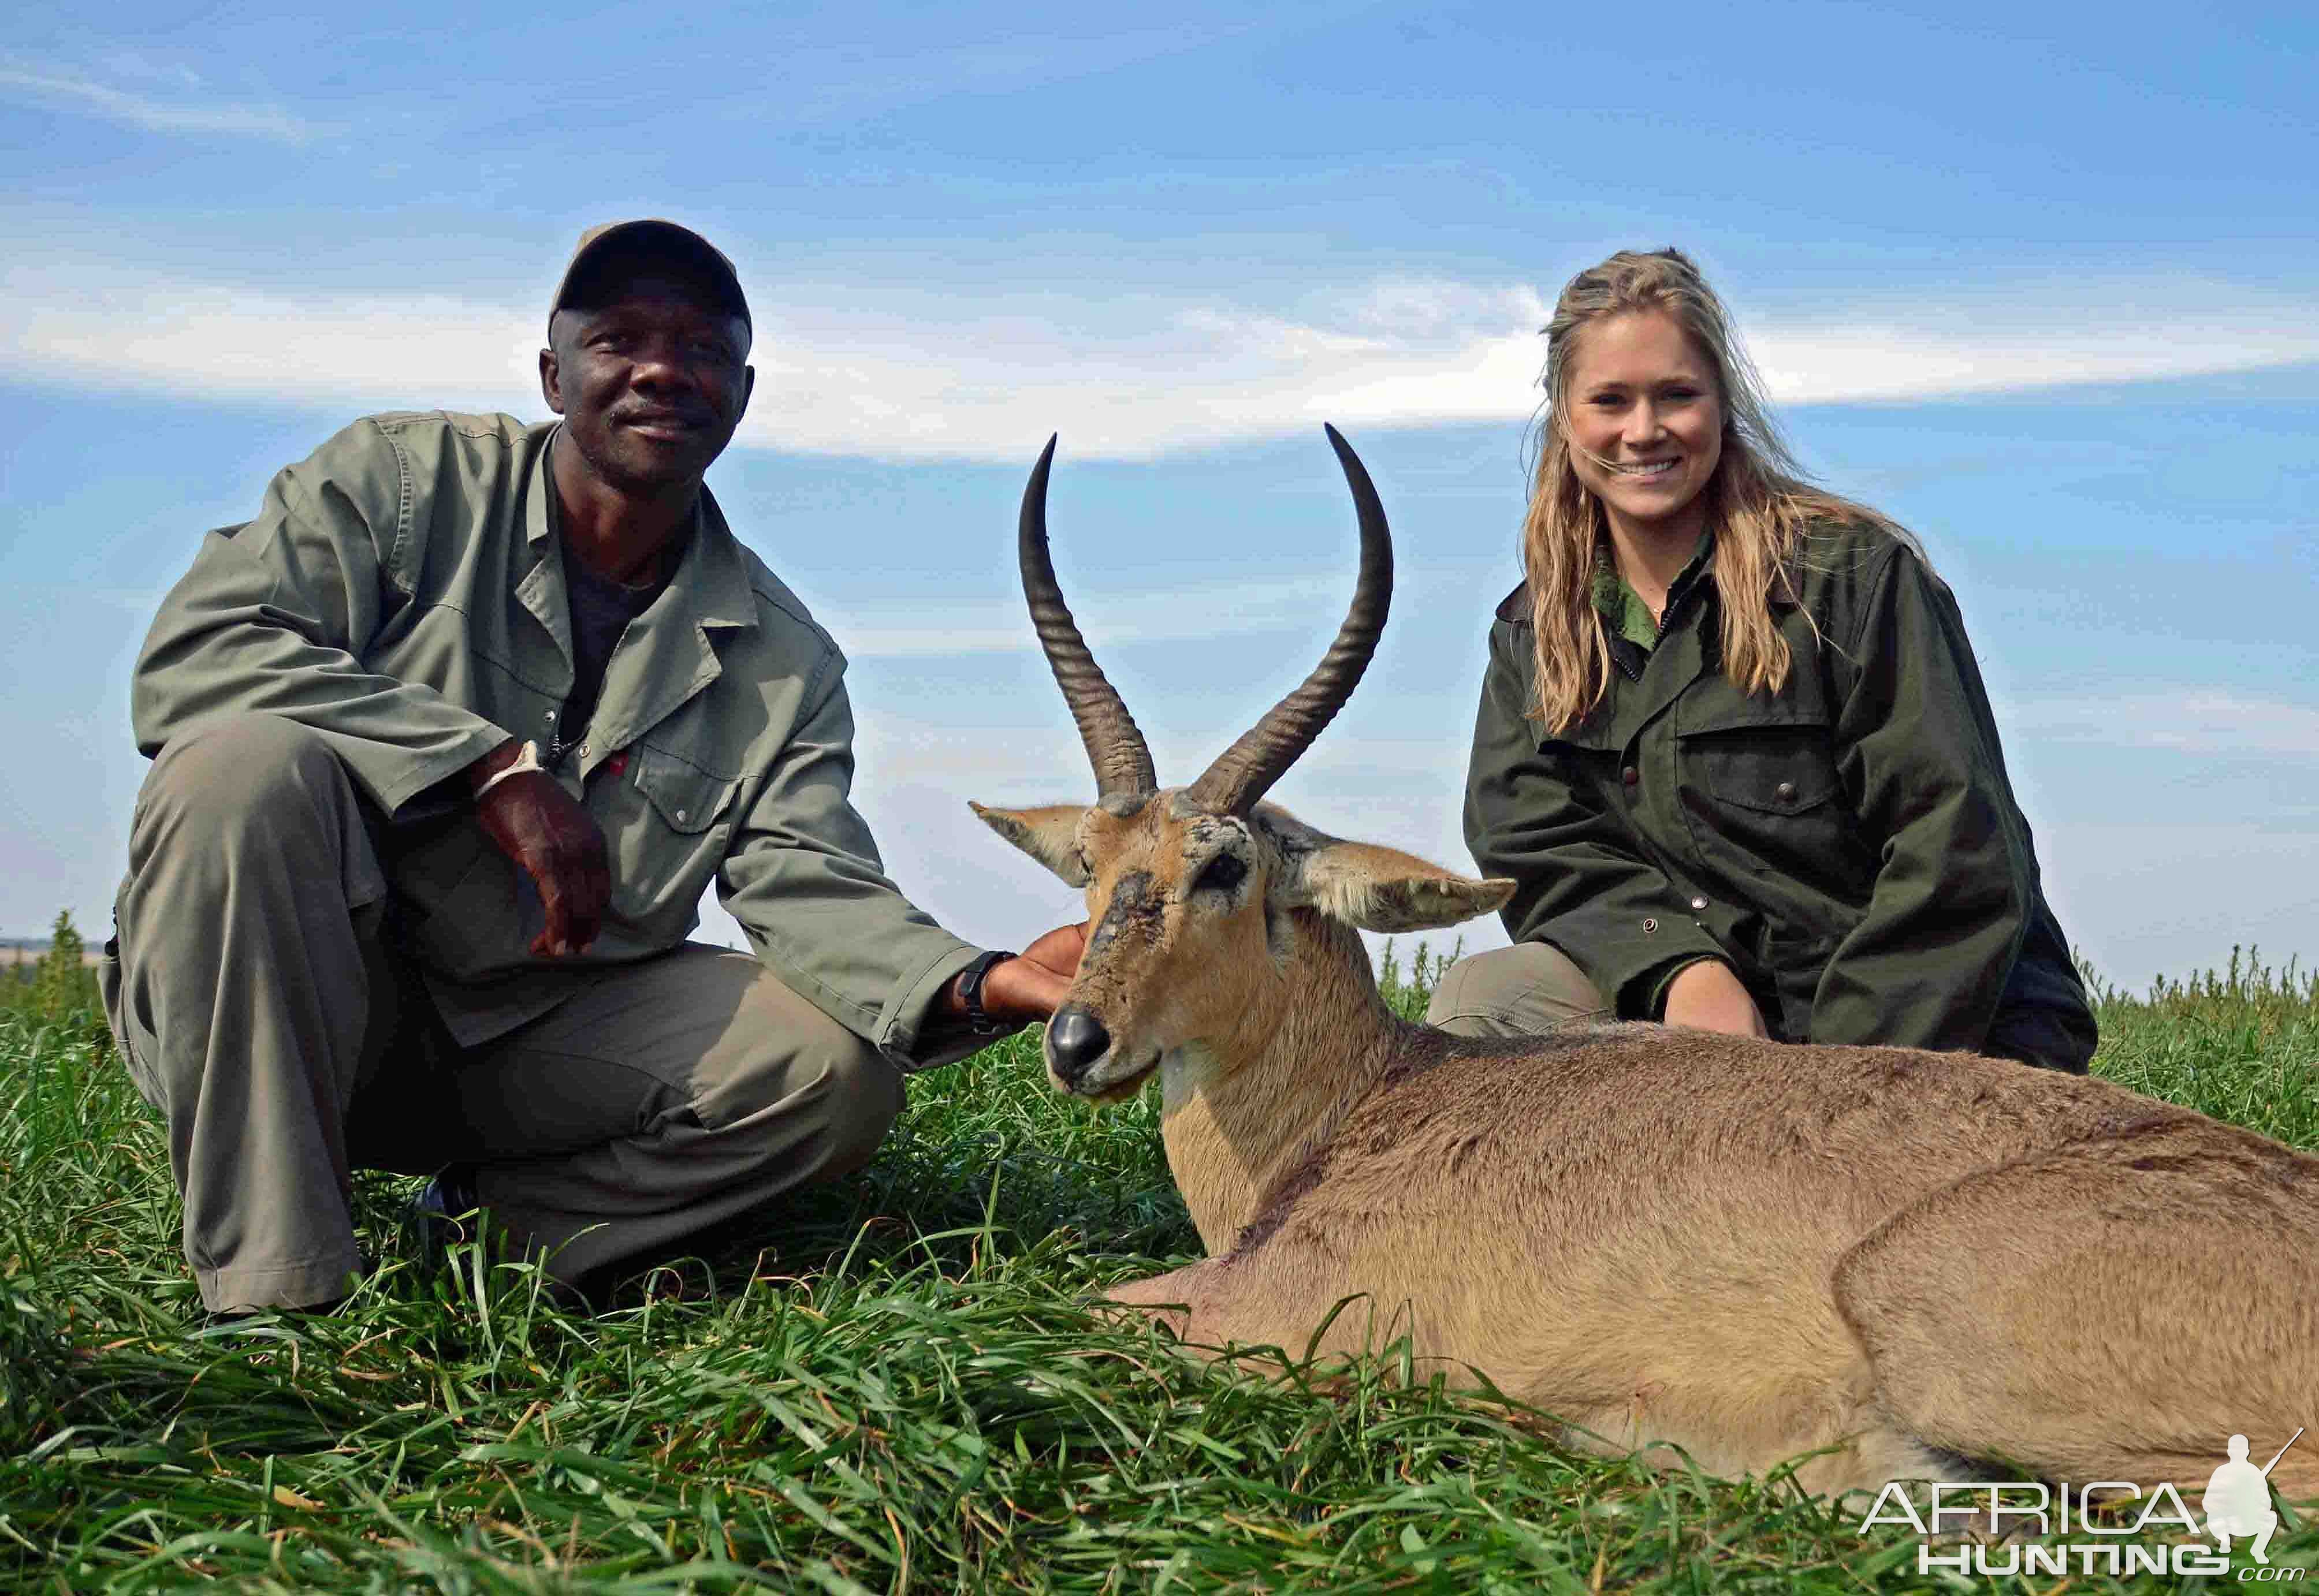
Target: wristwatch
(969,995)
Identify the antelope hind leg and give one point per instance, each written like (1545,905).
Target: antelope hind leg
(2112,1310)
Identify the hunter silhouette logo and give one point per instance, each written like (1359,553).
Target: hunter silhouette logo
(2237,1501)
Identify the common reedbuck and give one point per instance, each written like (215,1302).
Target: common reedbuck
(1904,1261)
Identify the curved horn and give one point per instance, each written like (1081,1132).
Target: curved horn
(1122,762)
(1243,773)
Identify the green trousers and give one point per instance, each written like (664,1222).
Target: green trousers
(1517,991)
(263,1010)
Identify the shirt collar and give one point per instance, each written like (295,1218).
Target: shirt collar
(1622,608)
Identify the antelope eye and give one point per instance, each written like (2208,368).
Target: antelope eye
(1224,872)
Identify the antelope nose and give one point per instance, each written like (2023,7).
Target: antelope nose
(1076,1039)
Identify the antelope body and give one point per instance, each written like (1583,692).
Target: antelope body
(1913,1264)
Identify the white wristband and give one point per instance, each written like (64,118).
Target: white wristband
(527,758)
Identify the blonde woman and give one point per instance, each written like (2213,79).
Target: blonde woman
(1732,744)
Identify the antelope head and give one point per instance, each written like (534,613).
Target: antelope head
(1212,914)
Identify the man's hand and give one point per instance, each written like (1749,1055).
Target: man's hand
(551,839)
(1707,996)
(1032,984)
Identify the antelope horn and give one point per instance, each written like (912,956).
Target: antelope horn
(1245,770)
(1123,763)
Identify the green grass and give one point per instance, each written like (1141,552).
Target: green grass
(893,1384)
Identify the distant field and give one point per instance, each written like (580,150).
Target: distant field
(904,1392)
(27,952)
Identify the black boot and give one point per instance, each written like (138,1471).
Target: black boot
(445,1212)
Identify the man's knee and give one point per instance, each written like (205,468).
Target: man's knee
(238,818)
(1513,991)
(865,1100)
(842,1097)
(811,1073)
(239,774)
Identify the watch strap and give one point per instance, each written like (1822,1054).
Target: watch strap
(969,994)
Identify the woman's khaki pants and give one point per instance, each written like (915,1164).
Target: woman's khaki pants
(263,1015)
(1517,991)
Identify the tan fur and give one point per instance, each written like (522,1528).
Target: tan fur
(1677,1239)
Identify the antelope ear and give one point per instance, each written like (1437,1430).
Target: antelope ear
(1050,836)
(1385,890)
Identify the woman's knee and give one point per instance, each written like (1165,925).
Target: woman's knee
(1515,991)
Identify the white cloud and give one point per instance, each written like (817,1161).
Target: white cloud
(866,371)
(1944,353)
(71,90)
(122,328)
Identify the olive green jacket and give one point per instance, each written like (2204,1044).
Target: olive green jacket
(401,594)
(1849,845)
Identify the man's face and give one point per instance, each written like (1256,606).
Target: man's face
(650,384)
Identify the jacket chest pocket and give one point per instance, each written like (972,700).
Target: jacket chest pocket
(1779,770)
(686,799)
(668,846)
(1762,799)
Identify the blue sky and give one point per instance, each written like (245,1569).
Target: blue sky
(2039,284)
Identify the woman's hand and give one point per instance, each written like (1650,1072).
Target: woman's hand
(1707,997)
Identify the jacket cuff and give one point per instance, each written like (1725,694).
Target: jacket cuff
(1654,987)
(1628,963)
(396,778)
(909,1035)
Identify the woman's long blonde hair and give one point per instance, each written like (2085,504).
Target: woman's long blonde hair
(1759,501)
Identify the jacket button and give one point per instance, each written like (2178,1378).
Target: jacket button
(1698,903)
(1630,775)
(680,814)
(1650,927)
(549,717)
(1786,790)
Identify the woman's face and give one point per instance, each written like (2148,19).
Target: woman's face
(1646,420)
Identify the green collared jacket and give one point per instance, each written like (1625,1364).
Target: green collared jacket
(1850,846)
(401,594)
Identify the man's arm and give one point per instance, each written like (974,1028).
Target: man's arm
(802,876)
(274,616)
(1027,986)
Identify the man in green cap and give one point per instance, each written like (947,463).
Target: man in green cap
(447,744)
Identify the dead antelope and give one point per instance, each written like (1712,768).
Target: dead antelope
(1907,1262)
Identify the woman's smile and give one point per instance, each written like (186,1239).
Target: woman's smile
(1648,470)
